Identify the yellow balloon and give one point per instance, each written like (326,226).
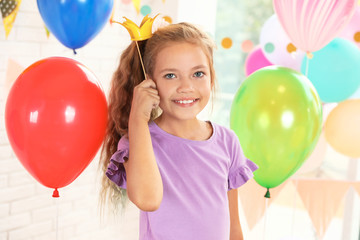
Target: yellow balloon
(342,128)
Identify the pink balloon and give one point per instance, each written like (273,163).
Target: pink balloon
(311,24)
(255,60)
(352,31)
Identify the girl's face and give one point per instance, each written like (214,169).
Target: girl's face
(182,77)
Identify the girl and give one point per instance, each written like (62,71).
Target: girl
(182,173)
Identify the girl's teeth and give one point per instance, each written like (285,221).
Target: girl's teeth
(185,101)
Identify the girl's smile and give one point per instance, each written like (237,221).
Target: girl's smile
(186,102)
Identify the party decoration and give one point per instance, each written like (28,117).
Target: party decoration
(277,46)
(75,23)
(309,193)
(226,42)
(47,32)
(277,115)
(145,10)
(342,128)
(112,13)
(269,47)
(139,33)
(290,48)
(312,24)
(13,70)
(356,186)
(352,30)
(334,70)
(168,19)
(137,4)
(253,202)
(9,9)
(255,60)
(322,199)
(247,46)
(55,116)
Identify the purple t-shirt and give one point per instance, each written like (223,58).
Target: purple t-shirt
(196,177)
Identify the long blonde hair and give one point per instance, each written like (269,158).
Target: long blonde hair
(129,74)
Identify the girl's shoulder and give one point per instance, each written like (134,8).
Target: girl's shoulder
(223,132)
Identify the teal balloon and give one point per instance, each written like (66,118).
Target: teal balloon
(334,70)
(356,95)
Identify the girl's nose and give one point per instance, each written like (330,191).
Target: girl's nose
(186,85)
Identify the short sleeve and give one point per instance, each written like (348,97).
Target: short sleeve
(116,171)
(241,168)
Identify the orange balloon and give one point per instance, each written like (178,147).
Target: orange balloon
(342,128)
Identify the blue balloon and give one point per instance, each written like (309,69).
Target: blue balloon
(334,70)
(75,23)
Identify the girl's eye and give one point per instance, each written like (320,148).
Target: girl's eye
(169,75)
(199,74)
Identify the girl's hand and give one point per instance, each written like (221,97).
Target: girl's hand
(145,99)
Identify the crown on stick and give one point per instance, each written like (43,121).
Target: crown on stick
(139,33)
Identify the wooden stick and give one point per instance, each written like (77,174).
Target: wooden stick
(142,64)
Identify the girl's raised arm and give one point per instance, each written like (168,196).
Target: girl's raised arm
(144,184)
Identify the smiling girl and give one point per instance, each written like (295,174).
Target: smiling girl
(181,172)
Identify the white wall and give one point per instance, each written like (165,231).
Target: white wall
(27,210)
(200,12)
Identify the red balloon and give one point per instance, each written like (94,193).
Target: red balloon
(55,116)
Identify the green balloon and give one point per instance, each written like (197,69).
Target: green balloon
(277,116)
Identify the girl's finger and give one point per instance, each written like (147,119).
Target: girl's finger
(152,91)
(148,83)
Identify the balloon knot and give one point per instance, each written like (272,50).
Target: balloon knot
(267,195)
(74,51)
(55,193)
(309,55)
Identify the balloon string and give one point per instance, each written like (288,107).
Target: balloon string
(265,217)
(142,64)
(294,208)
(57,219)
(307,66)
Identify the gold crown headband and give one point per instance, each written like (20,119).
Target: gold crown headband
(139,33)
